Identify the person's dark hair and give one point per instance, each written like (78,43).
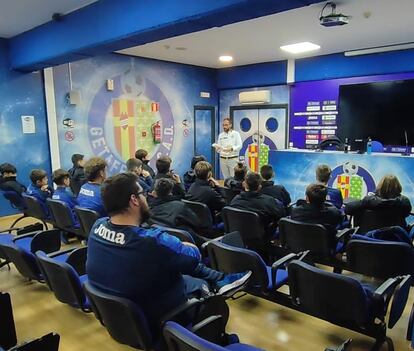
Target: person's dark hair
(116,192)
(228,119)
(323,173)
(389,187)
(267,172)
(133,163)
(163,187)
(76,158)
(59,176)
(7,168)
(316,194)
(93,166)
(202,170)
(163,164)
(37,175)
(141,154)
(196,159)
(240,171)
(253,181)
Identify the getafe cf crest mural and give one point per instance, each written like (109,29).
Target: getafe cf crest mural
(352,180)
(145,110)
(138,116)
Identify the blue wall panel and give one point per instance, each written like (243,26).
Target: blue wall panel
(21,94)
(340,66)
(262,74)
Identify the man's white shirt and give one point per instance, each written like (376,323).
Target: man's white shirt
(230,139)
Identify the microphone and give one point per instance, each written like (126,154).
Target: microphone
(407,152)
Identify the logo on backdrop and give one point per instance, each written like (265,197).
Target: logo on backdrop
(256,147)
(136,115)
(352,180)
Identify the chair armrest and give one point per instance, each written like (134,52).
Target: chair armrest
(204,245)
(27,235)
(179,312)
(211,329)
(58,253)
(285,260)
(77,259)
(346,233)
(386,290)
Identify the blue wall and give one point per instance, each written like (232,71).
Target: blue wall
(340,66)
(261,74)
(21,94)
(316,68)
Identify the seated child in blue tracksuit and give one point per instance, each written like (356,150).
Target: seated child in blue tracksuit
(144,178)
(90,193)
(63,193)
(39,188)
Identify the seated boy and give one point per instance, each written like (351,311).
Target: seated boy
(8,179)
(316,210)
(189,177)
(269,187)
(144,179)
(90,192)
(61,179)
(334,196)
(39,188)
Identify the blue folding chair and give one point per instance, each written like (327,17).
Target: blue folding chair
(179,338)
(66,278)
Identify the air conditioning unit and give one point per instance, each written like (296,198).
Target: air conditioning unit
(254,97)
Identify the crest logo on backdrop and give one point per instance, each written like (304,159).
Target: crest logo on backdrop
(136,115)
(352,180)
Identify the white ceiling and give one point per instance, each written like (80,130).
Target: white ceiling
(18,16)
(258,40)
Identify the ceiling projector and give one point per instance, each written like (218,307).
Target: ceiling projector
(333,19)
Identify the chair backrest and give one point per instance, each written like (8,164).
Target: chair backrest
(202,211)
(7,328)
(229,194)
(230,259)
(87,219)
(183,235)
(299,236)
(63,281)
(380,259)
(48,342)
(61,212)
(333,297)
(25,262)
(249,225)
(179,338)
(124,319)
(376,219)
(16,200)
(34,207)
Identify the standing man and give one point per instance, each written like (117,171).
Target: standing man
(228,146)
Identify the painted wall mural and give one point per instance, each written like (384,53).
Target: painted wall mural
(150,107)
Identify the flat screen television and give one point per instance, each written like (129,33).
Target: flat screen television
(383,111)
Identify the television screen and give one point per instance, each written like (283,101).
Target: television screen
(382,111)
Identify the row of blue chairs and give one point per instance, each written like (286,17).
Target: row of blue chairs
(272,277)
(64,273)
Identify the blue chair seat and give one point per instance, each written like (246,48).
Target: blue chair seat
(24,243)
(242,347)
(281,278)
(6,238)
